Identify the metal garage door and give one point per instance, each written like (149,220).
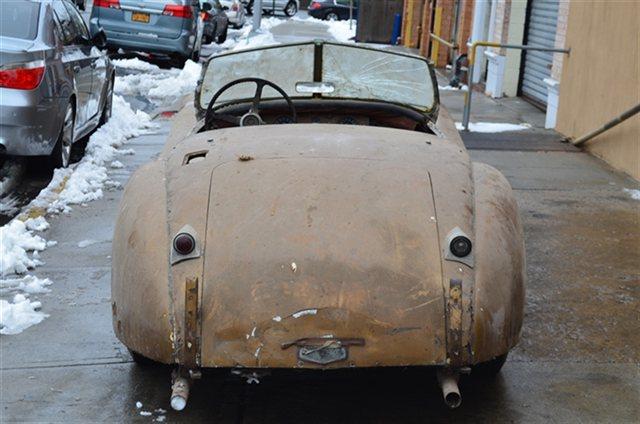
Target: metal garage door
(542,23)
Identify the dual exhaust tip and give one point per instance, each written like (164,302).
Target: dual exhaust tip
(448,380)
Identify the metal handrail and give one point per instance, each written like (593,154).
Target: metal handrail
(452,46)
(612,123)
(472,55)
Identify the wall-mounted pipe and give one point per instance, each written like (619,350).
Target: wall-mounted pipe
(615,121)
(472,56)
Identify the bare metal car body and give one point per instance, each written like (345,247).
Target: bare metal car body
(321,244)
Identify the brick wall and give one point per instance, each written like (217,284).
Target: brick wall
(466,22)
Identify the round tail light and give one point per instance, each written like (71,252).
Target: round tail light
(460,246)
(184,243)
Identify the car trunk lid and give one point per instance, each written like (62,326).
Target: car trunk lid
(306,249)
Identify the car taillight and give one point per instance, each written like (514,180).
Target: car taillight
(315,5)
(109,4)
(178,11)
(25,76)
(234,7)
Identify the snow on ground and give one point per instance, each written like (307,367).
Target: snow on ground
(78,184)
(634,193)
(450,88)
(19,314)
(157,83)
(339,30)
(135,64)
(493,127)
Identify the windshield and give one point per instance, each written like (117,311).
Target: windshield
(19,19)
(340,71)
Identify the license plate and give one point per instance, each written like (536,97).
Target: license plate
(140,17)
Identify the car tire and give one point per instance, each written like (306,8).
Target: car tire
(223,37)
(108,105)
(61,154)
(331,16)
(489,369)
(249,7)
(195,56)
(291,8)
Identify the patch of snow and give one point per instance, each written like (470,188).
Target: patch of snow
(493,127)
(160,418)
(84,243)
(160,84)
(138,404)
(17,316)
(277,318)
(337,29)
(135,64)
(450,88)
(116,164)
(634,193)
(146,413)
(28,284)
(16,241)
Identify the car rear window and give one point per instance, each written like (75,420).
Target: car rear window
(19,19)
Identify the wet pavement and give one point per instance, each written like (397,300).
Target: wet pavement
(578,359)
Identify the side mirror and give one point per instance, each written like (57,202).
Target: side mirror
(99,39)
(206,6)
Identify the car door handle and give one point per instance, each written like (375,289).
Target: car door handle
(76,69)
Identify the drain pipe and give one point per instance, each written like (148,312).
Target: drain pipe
(448,380)
(615,121)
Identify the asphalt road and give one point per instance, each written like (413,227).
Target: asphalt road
(578,360)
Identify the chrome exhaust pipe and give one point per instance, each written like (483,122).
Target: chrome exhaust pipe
(448,380)
(179,393)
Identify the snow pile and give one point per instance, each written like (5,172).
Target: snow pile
(249,40)
(16,240)
(493,127)
(159,83)
(634,193)
(19,315)
(85,182)
(135,64)
(27,284)
(337,29)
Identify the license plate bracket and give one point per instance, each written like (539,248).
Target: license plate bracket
(141,17)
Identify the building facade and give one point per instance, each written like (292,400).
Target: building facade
(579,92)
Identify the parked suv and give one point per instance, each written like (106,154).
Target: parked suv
(172,27)
(56,85)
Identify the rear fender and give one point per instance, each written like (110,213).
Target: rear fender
(499,265)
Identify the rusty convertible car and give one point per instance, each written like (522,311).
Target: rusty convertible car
(321,212)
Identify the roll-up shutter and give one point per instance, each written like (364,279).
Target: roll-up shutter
(541,31)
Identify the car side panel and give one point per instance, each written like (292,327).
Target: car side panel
(500,266)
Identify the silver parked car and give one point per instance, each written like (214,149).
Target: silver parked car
(288,7)
(56,85)
(170,27)
(235,12)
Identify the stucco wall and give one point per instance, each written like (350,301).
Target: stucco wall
(600,79)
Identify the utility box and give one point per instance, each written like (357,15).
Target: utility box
(375,20)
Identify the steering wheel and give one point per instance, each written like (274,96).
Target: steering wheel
(252,117)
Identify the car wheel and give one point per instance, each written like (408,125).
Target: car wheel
(249,7)
(195,56)
(61,153)
(108,105)
(291,8)
(223,37)
(489,369)
(331,16)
